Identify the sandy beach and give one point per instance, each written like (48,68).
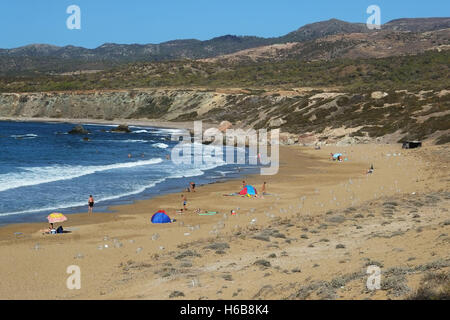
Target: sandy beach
(313,237)
(131,122)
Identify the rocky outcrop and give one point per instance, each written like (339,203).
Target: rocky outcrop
(123,128)
(78,129)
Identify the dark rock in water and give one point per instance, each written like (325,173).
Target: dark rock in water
(86,139)
(122,128)
(78,129)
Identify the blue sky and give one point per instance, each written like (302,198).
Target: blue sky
(24,22)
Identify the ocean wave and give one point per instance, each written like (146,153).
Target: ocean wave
(59,207)
(122,141)
(24,136)
(39,175)
(131,141)
(175,174)
(160,145)
(141,131)
(100,125)
(167,131)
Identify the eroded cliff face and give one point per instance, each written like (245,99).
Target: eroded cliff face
(305,116)
(108,105)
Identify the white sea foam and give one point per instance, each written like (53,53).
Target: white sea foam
(24,136)
(82,203)
(123,141)
(160,145)
(39,175)
(100,125)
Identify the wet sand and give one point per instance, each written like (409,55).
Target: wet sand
(313,237)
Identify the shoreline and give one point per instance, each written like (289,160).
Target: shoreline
(188,125)
(315,206)
(128,199)
(114,211)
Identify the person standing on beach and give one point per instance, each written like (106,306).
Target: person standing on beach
(91,203)
(184,202)
(263,188)
(192,184)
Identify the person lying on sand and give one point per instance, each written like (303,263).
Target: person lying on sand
(205,212)
(336,156)
(49,230)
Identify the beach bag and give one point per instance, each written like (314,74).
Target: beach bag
(59,230)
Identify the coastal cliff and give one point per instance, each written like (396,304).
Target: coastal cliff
(305,116)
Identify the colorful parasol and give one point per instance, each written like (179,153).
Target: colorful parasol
(56,217)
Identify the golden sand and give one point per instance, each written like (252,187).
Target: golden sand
(313,237)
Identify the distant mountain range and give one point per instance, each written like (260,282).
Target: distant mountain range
(47,59)
(331,81)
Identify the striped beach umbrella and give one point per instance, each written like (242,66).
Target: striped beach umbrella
(56,217)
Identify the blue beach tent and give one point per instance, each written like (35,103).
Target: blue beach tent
(161,217)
